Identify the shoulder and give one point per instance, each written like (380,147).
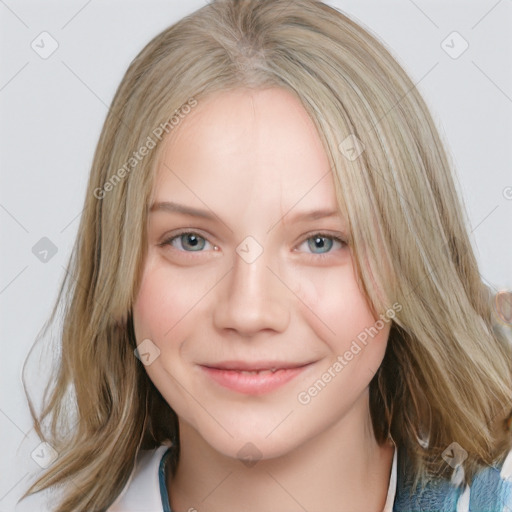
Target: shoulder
(491,489)
(142,491)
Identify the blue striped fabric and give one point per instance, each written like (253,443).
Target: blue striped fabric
(163,486)
(489,492)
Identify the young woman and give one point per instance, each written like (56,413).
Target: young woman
(273,303)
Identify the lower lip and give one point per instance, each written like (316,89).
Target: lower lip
(252,384)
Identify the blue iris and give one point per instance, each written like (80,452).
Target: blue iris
(196,242)
(318,242)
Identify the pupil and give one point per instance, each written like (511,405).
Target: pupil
(191,240)
(320,243)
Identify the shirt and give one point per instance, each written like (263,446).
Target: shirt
(146,489)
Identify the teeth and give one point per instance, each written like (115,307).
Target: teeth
(258,372)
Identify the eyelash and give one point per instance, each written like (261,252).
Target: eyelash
(169,240)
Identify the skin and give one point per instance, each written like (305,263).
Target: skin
(253,158)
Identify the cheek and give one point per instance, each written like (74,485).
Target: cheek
(336,306)
(163,304)
(164,312)
(153,309)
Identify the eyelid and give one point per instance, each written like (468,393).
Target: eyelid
(334,235)
(166,239)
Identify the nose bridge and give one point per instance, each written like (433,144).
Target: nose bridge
(253,298)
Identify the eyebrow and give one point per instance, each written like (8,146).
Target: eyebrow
(171,207)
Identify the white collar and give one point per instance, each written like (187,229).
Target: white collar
(390,499)
(142,491)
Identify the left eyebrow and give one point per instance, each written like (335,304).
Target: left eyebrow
(315,215)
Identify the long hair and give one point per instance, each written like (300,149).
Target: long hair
(446,374)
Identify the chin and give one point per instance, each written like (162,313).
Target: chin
(250,445)
(250,451)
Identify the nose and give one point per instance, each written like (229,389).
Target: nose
(252,298)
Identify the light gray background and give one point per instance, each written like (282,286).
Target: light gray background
(52,111)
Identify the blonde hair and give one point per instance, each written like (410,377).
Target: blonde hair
(446,375)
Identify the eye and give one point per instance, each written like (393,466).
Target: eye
(187,241)
(321,244)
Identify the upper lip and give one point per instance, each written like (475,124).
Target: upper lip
(254,365)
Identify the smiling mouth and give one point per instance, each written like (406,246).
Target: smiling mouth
(253,378)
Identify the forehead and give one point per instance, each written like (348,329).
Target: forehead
(246,146)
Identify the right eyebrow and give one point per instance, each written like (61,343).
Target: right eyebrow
(171,207)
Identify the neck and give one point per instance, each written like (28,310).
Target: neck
(340,469)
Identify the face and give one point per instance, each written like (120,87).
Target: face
(241,278)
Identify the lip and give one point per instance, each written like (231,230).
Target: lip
(232,375)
